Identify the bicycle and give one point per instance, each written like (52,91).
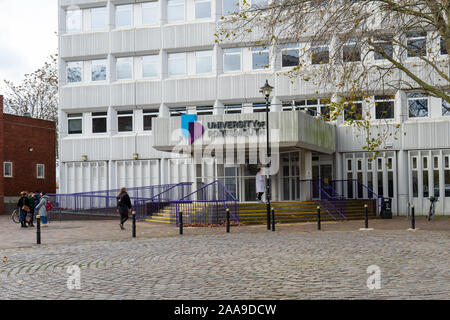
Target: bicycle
(15,215)
(433,200)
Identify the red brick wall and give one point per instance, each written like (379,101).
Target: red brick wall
(17,136)
(1,157)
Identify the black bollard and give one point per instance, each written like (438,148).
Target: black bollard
(318,218)
(38,229)
(228,220)
(268,217)
(413,218)
(273,219)
(181,222)
(366,216)
(134,224)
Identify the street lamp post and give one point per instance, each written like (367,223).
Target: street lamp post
(266,90)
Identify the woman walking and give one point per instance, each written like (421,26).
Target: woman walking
(259,185)
(41,209)
(123,206)
(30,217)
(24,207)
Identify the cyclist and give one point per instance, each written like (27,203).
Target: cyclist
(433,200)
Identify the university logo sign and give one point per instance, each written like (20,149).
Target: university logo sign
(190,128)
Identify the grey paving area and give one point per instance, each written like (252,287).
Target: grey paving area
(287,264)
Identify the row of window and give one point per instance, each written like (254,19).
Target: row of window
(8,170)
(146,14)
(423,174)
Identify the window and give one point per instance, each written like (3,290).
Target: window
(98,18)
(383,45)
(443,47)
(124,15)
(202,9)
(74,72)
(445,108)
(150,66)
(384,107)
(417,44)
(125,121)
(148,116)
(425,184)
(177,65)
(99,122)
(124,68)
(447,176)
(175,10)
(258,4)
(7,169)
(150,13)
(310,106)
(177,111)
(418,105)
(73,21)
(203,61)
(75,123)
(290,56)
(259,107)
(233,108)
(230,7)
(436,176)
(351,52)
(353,109)
(98,70)
(320,53)
(204,110)
(232,59)
(40,171)
(260,58)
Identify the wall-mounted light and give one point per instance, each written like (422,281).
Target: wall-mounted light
(135,156)
(30,149)
(84,158)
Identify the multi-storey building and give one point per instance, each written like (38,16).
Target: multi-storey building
(130,68)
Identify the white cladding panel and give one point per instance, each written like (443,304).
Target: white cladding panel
(122,41)
(189,90)
(82,3)
(72,149)
(83,45)
(148,39)
(148,92)
(76,97)
(123,94)
(242,86)
(189,35)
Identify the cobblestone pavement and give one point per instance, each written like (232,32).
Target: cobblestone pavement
(296,262)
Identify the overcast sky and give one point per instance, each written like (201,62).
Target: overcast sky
(27,36)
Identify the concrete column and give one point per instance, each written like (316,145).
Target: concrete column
(338,171)
(275,105)
(305,174)
(402,183)
(219,108)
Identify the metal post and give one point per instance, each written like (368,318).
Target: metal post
(181,222)
(318,218)
(38,229)
(228,220)
(413,218)
(273,219)
(134,224)
(268,194)
(366,216)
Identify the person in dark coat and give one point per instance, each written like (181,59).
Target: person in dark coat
(22,204)
(123,206)
(31,214)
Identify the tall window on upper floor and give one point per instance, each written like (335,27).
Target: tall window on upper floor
(229,7)
(202,9)
(351,51)
(320,53)
(384,107)
(124,68)
(74,72)
(353,109)
(98,18)
(98,69)
(203,61)
(150,13)
(260,58)
(290,55)
(258,4)
(417,44)
(445,108)
(74,21)
(124,15)
(150,66)
(175,11)
(40,171)
(177,64)
(75,123)
(383,45)
(125,121)
(99,120)
(418,105)
(7,169)
(148,117)
(232,59)
(443,47)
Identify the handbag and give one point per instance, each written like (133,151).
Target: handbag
(26,208)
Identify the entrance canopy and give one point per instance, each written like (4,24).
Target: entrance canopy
(290,130)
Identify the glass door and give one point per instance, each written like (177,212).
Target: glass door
(290,176)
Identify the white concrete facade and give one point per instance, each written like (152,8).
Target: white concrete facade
(114,158)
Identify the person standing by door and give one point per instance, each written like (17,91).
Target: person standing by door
(260,186)
(123,206)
